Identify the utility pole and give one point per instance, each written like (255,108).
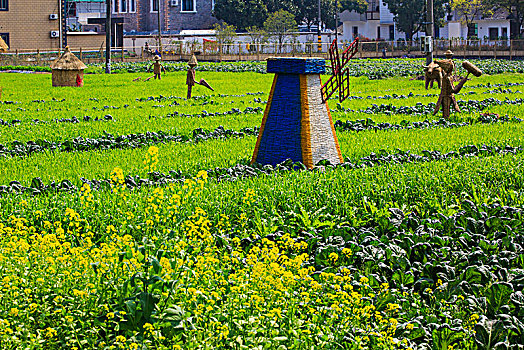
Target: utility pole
(63,23)
(430,22)
(159,30)
(108,36)
(319,35)
(336,20)
(60,26)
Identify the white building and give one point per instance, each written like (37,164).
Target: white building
(495,27)
(378,23)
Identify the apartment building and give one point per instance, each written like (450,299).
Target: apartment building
(141,16)
(30,24)
(378,23)
(51,24)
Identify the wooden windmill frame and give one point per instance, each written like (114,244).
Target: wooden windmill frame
(339,79)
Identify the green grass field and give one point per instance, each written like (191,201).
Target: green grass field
(162,242)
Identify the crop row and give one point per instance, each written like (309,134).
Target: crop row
(417,109)
(371,68)
(374,69)
(204,113)
(433,274)
(72,120)
(369,124)
(208,98)
(498,90)
(205,98)
(423,109)
(241,171)
(207,101)
(109,141)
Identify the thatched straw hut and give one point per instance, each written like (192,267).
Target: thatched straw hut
(3,45)
(68,70)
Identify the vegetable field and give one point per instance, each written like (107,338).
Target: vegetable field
(131,218)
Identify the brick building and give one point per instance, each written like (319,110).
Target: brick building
(36,24)
(141,16)
(30,24)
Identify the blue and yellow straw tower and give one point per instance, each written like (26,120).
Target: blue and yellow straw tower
(296,123)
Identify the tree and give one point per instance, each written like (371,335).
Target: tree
(280,24)
(410,15)
(329,11)
(258,36)
(306,12)
(277,5)
(515,8)
(225,35)
(359,6)
(241,13)
(468,10)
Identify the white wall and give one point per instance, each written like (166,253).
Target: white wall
(484,25)
(386,17)
(454,30)
(367,29)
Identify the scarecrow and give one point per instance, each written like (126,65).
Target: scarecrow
(191,77)
(157,67)
(432,73)
(448,89)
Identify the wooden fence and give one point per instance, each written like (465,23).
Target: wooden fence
(507,49)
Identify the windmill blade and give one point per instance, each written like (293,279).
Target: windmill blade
(340,77)
(334,57)
(343,88)
(349,52)
(329,88)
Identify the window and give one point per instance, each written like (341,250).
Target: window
(154,5)
(4,5)
(355,32)
(115,6)
(392,32)
(123,5)
(5,37)
(504,33)
(188,6)
(71,9)
(378,32)
(473,30)
(132,6)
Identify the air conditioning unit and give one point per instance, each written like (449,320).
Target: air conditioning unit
(55,34)
(426,44)
(53,16)
(174,3)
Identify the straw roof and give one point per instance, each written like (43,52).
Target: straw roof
(447,65)
(193,61)
(3,46)
(68,61)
